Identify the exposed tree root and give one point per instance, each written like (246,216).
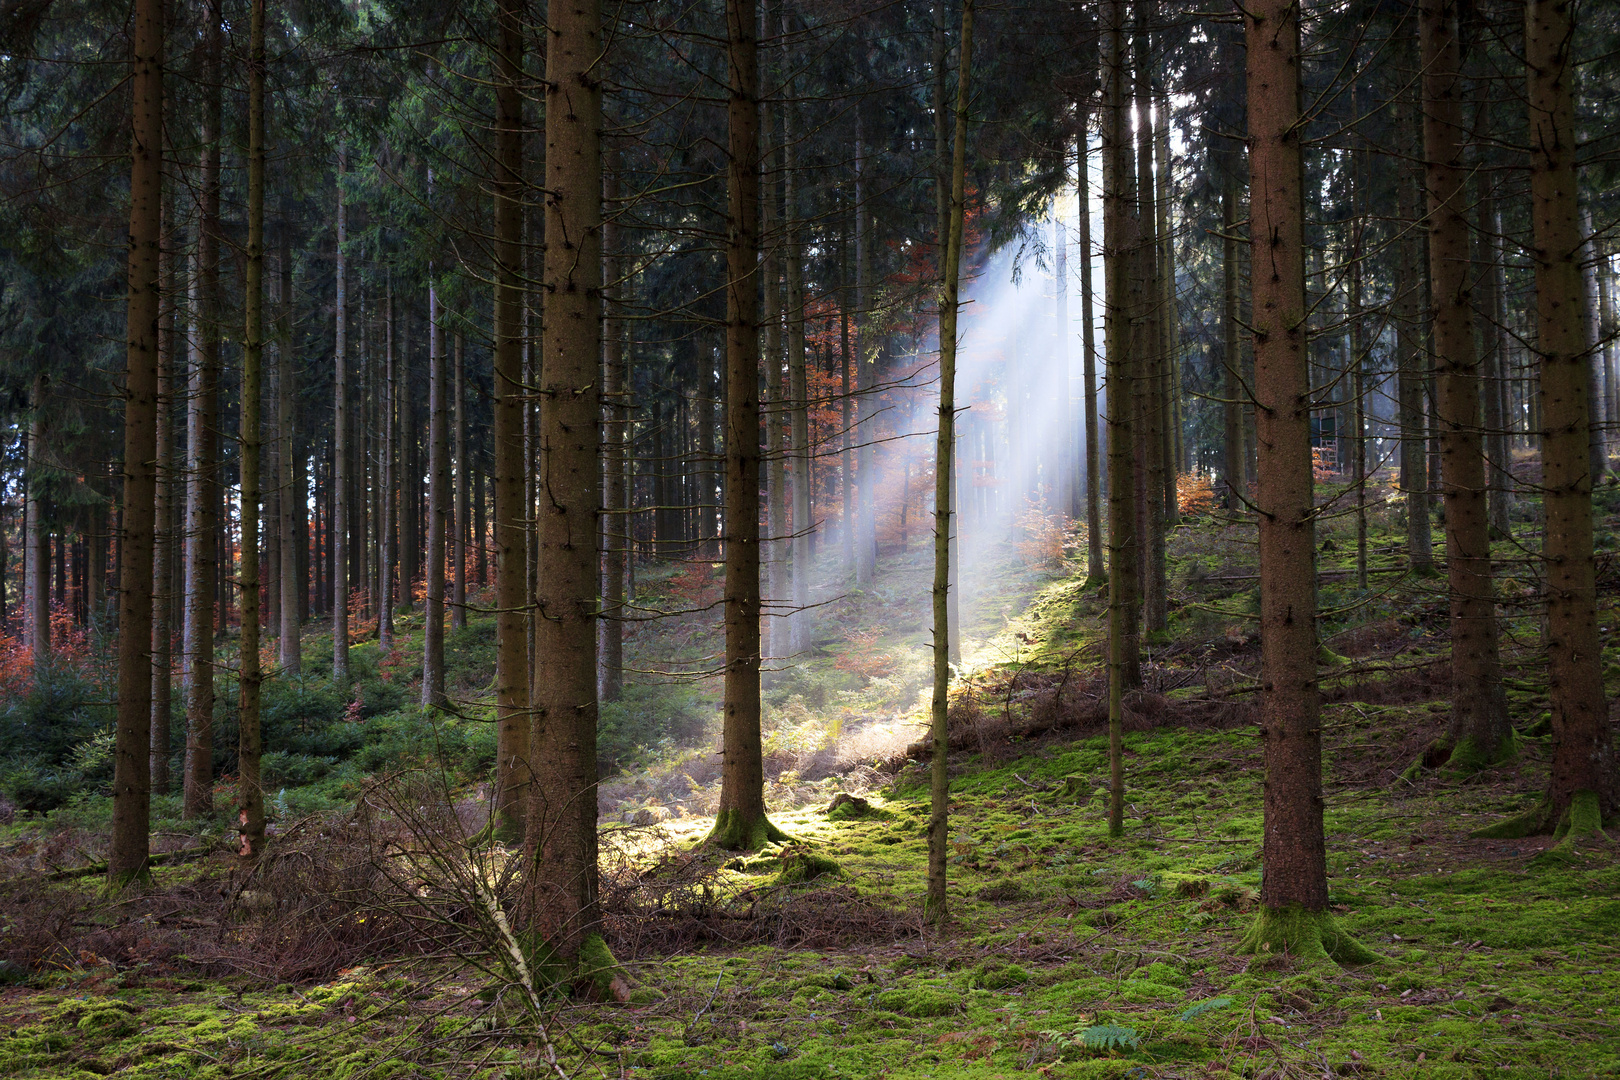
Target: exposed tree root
(733,831)
(1310,936)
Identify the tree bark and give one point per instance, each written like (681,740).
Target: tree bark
(458,595)
(865,519)
(935,905)
(290,504)
(1479,734)
(338,527)
(511,672)
(1583,754)
(741,823)
(249,743)
(438,508)
(166,536)
(202,497)
(775,634)
(798,389)
(388,502)
(130,847)
(1232,389)
(1149,383)
(1095,570)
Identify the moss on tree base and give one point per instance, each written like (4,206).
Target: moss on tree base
(1305,935)
(597,974)
(735,831)
(1457,761)
(1583,818)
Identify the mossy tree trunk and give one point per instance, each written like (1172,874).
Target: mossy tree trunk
(1294,893)
(130,846)
(741,823)
(1479,733)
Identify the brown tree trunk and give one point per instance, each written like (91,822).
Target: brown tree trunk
(1088,342)
(202,497)
(511,646)
(774,545)
(617,528)
(338,527)
(1232,389)
(1584,784)
(458,595)
(438,504)
(127,853)
(290,505)
(166,536)
(798,390)
(249,742)
(37,542)
(1479,733)
(741,823)
(387,504)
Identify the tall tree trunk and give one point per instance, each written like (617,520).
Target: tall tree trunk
(37,545)
(388,503)
(1149,384)
(1584,785)
(865,519)
(1065,479)
(935,906)
(617,528)
(458,595)
(166,536)
(1165,299)
(798,388)
(741,823)
(202,496)
(846,454)
(249,743)
(1294,892)
(1088,341)
(513,774)
(132,793)
(1409,351)
(562,812)
(291,503)
(1232,389)
(775,636)
(1596,397)
(1479,734)
(407,484)
(338,527)
(438,508)
(1490,315)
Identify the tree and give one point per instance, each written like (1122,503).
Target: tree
(127,856)
(1294,891)
(339,528)
(1479,734)
(944,457)
(741,824)
(438,502)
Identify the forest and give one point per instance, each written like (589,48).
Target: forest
(809,538)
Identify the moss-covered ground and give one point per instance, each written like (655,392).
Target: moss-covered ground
(1067,954)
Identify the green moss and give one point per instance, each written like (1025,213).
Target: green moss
(1305,935)
(799,866)
(921,1001)
(597,971)
(735,831)
(1531,822)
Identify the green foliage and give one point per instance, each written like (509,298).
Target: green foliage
(1110,1037)
(1199,1008)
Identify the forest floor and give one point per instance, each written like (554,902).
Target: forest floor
(1068,953)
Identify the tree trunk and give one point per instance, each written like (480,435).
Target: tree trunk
(798,389)
(338,527)
(387,504)
(1151,514)
(132,794)
(741,823)
(1088,341)
(249,743)
(37,554)
(1119,240)
(1583,762)
(865,519)
(291,504)
(1294,892)
(1479,733)
(438,508)
(935,906)
(1232,389)
(1414,464)
(166,536)
(458,595)
(775,637)
(511,672)
(202,498)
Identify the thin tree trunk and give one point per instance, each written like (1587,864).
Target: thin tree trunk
(37,545)
(1150,361)
(846,455)
(1490,313)
(798,389)
(1119,240)
(865,519)
(935,906)
(1479,733)
(202,498)
(290,505)
(458,596)
(1095,570)
(249,743)
(513,774)
(1414,464)
(387,504)
(1232,390)
(775,643)
(741,823)
(132,794)
(166,536)
(617,524)
(338,527)
(438,508)
(1584,783)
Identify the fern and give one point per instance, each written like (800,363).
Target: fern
(1110,1037)
(1199,1008)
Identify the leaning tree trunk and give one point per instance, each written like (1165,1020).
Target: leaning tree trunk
(1583,787)
(202,496)
(950,245)
(741,823)
(249,744)
(1479,734)
(512,773)
(132,794)
(562,811)
(1294,892)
